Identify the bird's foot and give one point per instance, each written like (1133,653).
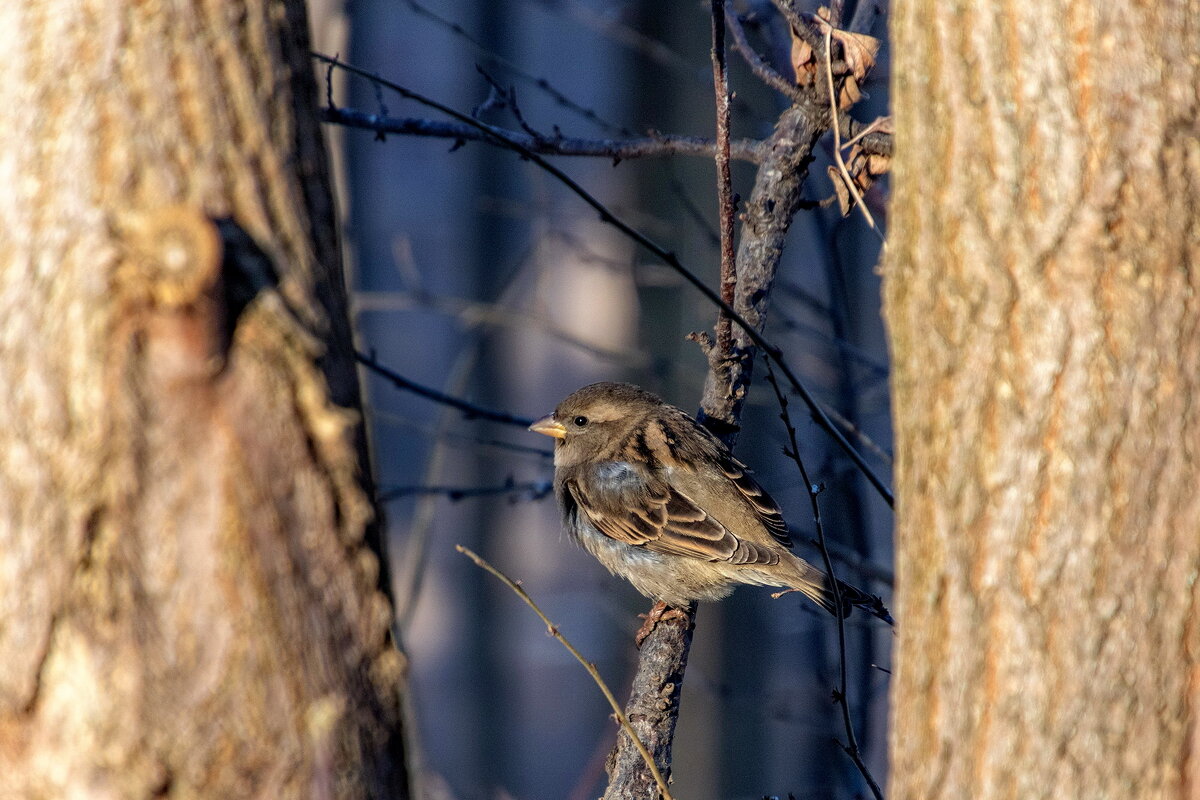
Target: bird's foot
(658,612)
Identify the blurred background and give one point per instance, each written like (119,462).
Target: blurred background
(477,274)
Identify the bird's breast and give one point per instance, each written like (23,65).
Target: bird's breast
(616,476)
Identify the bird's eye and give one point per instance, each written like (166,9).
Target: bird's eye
(580,421)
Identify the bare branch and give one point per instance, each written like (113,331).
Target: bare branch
(769,213)
(532,490)
(851,746)
(872,140)
(798,24)
(654,697)
(724,345)
(491,56)
(760,68)
(553,630)
(470,410)
(653,706)
(863,439)
(655,146)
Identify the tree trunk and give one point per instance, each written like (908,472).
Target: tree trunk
(190,582)
(1042,294)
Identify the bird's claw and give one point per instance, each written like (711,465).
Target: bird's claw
(658,612)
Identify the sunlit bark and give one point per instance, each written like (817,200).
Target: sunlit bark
(1041,291)
(190,598)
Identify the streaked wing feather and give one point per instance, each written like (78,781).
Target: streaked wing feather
(655,515)
(765,507)
(749,553)
(673,542)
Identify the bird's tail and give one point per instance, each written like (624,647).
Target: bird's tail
(816,585)
(853,597)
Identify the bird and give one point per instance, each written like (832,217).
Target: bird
(663,503)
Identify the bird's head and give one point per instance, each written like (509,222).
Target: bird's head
(594,420)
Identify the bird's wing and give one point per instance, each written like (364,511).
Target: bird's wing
(764,506)
(634,506)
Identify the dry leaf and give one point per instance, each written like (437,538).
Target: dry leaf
(804,65)
(850,94)
(882,125)
(864,169)
(856,58)
(839,188)
(858,51)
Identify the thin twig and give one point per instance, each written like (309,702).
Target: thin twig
(553,630)
(469,409)
(667,257)
(541,83)
(656,146)
(794,20)
(869,135)
(724,183)
(535,490)
(461,438)
(871,570)
(863,439)
(508,99)
(493,314)
(761,69)
(814,490)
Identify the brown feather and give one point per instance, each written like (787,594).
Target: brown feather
(764,505)
(662,502)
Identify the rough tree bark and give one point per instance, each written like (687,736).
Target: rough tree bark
(1042,296)
(190,583)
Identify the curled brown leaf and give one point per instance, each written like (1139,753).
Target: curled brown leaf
(864,169)
(855,60)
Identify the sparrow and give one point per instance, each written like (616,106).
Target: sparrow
(661,502)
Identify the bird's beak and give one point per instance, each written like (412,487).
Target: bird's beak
(549,426)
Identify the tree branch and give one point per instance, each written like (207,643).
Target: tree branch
(654,146)
(725,204)
(874,142)
(470,410)
(763,71)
